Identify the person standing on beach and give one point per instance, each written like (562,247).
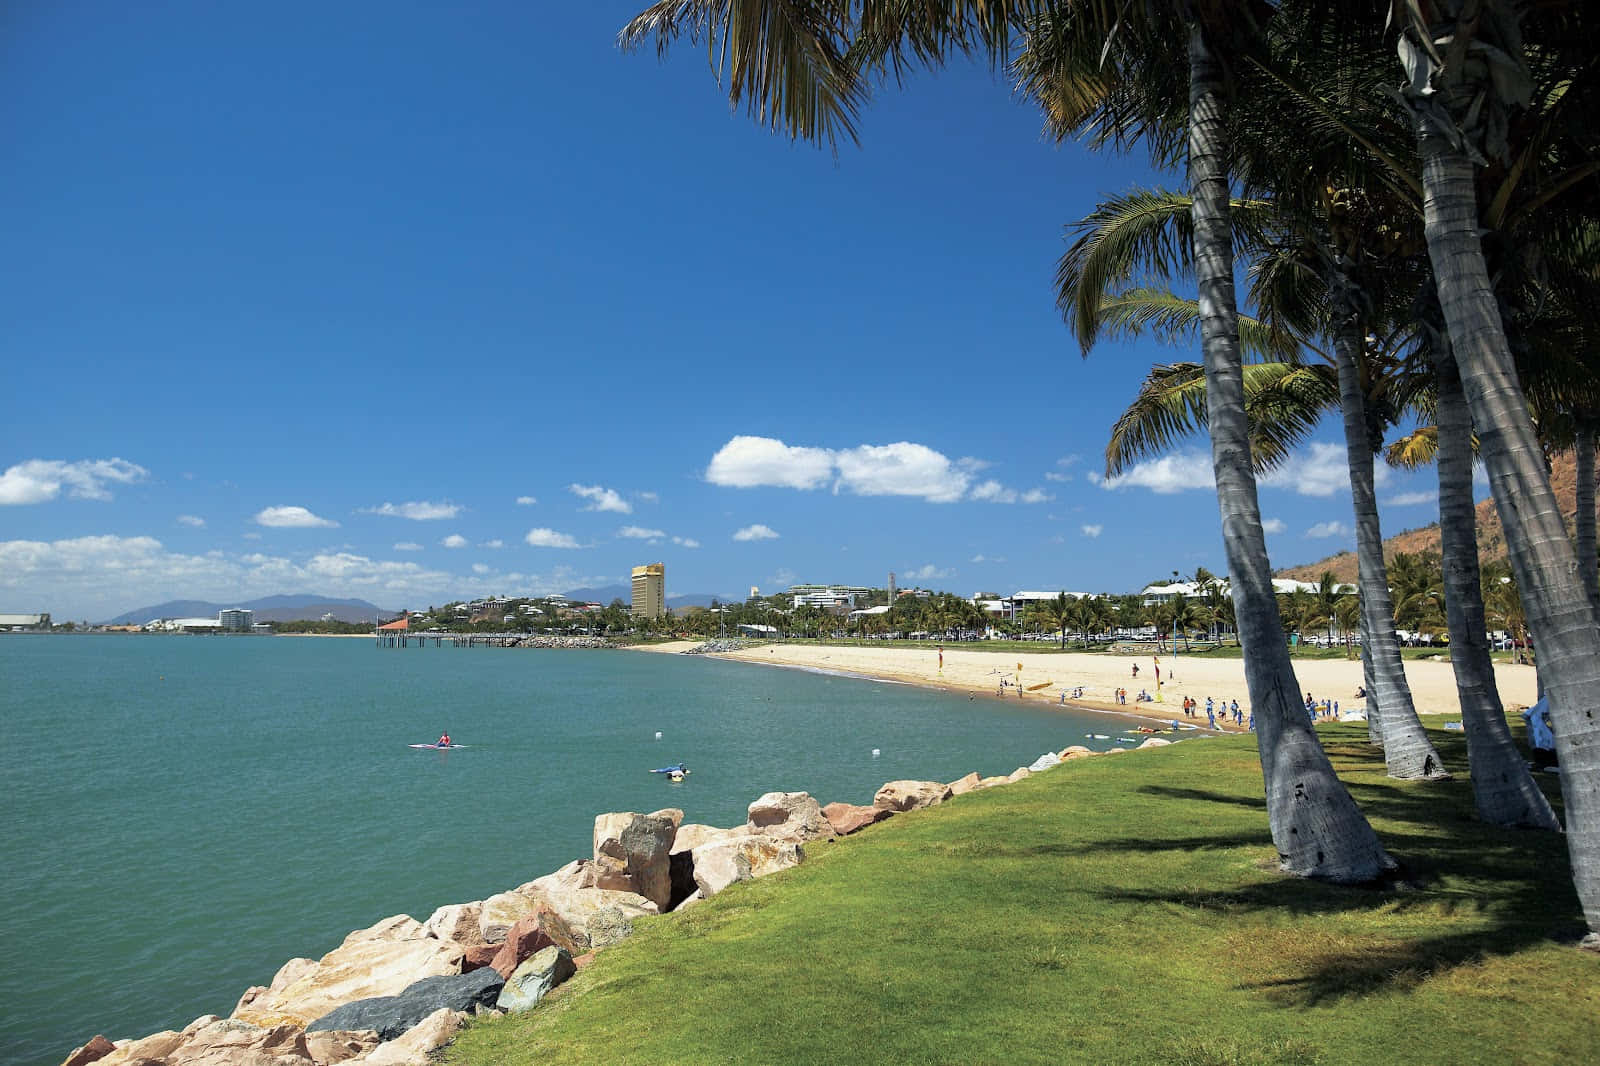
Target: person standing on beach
(1209,706)
(1135,669)
(1211,717)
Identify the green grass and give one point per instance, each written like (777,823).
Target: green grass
(1123,909)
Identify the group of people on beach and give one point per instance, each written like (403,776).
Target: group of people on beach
(1191,709)
(1325,709)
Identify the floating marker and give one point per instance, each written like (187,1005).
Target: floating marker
(658,734)
(876,753)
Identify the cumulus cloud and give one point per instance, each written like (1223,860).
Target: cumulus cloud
(480,568)
(927,573)
(686,542)
(1412,499)
(601,499)
(408,546)
(41,480)
(292,518)
(496,543)
(756,532)
(1092,531)
(191,520)
(1165,476)
(454,540)
(903,468)
(640,533)
(526,501)
(981,558)
(1036,496)
(1273,525)
(549,538)
(417,511)
(751,462)
(1054,475)
(1320,470)
(1328,529)
(649,497)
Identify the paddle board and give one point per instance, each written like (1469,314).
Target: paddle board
(437,747)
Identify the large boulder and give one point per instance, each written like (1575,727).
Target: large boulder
(329,1047)
(230,1042)
(95,1050)
(416,1046)
(538,974)
(848,817)
(1155,742)
(394,928)
(910,795)
(501,911)
(362,968)
(458,922)
(720,863)
(526,938)
(1021,773)
(962,786)
(631,853)
(1045,762)
(478,956)
(694,834)
(579,873)
(391,1016)
(1077,751)
(789,816)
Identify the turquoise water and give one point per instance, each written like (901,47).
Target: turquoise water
(184,814)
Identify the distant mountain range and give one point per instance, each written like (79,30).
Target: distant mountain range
(268,609)
(311,608)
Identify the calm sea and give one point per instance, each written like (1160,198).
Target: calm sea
(184,814)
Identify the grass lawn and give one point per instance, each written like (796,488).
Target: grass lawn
(1122,909)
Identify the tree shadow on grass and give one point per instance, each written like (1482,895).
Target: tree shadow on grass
(1169,792)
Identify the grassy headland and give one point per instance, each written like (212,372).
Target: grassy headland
(1121,909)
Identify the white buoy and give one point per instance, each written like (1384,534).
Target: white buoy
(875,753)
(658,734)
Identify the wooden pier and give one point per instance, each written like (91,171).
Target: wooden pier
(403,639)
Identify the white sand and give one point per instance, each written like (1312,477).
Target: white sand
(970,668)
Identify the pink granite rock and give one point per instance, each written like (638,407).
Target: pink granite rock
(911,795)
(93,1051)
(848,817)
(525,939)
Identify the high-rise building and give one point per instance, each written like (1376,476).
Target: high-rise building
(650,590)
(236,620)
(891,588)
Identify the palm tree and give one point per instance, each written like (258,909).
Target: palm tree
(787,63)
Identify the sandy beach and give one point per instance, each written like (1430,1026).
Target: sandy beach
(972,669)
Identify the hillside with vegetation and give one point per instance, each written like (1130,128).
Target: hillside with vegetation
(1491,537)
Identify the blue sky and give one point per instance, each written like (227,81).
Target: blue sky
(413,304)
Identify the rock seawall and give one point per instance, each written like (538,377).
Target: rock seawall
(395,992)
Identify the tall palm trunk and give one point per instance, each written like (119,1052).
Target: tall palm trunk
(1407,752)
(1502,787)
(1557,606)
(1584,540)
(1374,713)
(1316,826)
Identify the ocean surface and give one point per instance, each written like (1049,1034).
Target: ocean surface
(184,814)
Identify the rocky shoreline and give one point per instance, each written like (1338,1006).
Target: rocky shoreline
(395,992)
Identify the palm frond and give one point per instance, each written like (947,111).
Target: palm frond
(784,59)
(1174,319)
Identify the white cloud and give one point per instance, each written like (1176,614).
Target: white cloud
(601,499)
(496,543)
(1166,475)
(1273,525)
(640,533)
(981,558)
(1329,529)
(526,501)
(417,511)
(480,568)
(1069,460)
(649,497)
(549,538)
(686,542)
(292,518)
(756,532)
(751,462)
(1321,470)
(905,469)
(191,520)
(1411,499)
(408,546)
(927,573)
(1051,475)
(39,480)
(1092,531)
(454,540)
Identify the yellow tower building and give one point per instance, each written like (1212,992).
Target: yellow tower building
(650,590)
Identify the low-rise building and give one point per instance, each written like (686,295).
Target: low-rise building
(18,623)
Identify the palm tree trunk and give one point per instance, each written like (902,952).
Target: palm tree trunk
(1556,604)
(1407,751)
(1502,787)
(1317,827)
(1374,713)
(1584,539)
